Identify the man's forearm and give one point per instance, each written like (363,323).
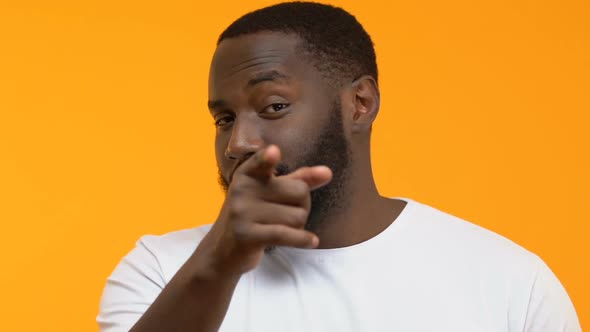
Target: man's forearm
(194,300)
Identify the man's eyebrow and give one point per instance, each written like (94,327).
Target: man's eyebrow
(214,104)
(266,76)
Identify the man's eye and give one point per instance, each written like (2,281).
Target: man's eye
(224,121)
(276,107)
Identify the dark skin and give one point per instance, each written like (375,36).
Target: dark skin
(269,102)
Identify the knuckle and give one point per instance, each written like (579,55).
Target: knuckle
(300,190)
(299,217)
(241,231)
(237,207)
(241,187)
(276,234)
(235,191)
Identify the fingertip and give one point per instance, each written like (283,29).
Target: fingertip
(324,171)
(315,242)
(272,154)
(321,175)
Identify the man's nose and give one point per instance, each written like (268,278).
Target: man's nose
(245,138)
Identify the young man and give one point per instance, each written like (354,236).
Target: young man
(304,242)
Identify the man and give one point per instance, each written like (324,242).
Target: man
(303,241)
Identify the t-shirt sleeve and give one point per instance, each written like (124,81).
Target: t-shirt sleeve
(131,289)
(550,308)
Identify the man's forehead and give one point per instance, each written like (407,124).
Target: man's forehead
(253,52)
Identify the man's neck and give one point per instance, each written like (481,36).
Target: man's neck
(365,215)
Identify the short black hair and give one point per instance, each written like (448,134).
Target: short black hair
(338,44)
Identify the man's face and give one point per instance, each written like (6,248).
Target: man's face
(263,91)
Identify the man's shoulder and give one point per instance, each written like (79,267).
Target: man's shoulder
(467,240)
(172,249)
(175,240)
(508,270)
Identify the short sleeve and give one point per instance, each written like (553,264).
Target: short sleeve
(130,290)
(550,308)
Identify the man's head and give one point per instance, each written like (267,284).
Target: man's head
(301,76)
(332,39)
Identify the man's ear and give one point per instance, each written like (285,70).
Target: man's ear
(366,103)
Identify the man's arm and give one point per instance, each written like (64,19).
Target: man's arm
(194,300)
(260,210)
(550,308)
(137,288)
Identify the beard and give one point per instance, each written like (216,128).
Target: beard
(329,148)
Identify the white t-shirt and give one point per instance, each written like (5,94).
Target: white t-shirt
(428,271)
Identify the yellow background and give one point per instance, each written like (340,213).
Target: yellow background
(105,134)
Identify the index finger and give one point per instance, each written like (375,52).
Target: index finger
(261,164)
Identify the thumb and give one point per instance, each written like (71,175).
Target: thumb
(314,176)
